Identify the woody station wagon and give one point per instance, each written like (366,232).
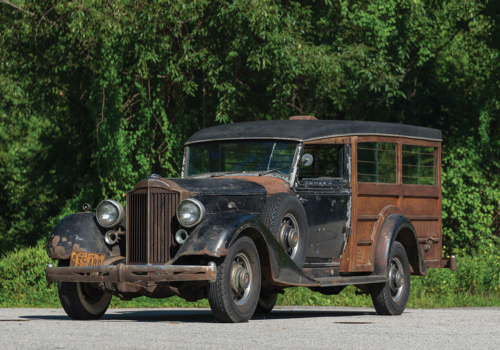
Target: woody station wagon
(262,206)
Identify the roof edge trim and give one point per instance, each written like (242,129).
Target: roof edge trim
(312,139)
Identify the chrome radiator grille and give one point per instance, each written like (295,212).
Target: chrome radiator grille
(150,224)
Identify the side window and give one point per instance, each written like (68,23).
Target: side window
(377,162)
(327,162)
(419,165)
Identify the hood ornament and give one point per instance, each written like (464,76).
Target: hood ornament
(154,176)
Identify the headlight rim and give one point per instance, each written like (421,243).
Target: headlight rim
(121,213)
(200,207)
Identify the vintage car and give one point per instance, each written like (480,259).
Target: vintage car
(262,206)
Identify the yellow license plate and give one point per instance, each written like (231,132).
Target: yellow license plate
(86,259)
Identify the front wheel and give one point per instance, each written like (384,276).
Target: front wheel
(234,295)
(81,301)
(390,298)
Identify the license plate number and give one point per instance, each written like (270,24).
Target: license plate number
(86,259)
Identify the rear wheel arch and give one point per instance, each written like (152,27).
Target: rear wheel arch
(398,228)
(407,238)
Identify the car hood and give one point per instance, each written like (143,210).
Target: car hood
(221,186)
(236,185)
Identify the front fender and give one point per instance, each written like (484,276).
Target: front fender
(398,228)
(214,236)
(80,233)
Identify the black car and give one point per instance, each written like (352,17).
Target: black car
(262,206)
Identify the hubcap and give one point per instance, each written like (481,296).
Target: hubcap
(289,234)
(396,278)
(241,278)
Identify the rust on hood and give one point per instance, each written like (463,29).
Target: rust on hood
(272,185)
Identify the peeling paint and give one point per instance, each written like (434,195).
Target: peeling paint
(349,212)
(349,160)
(183,169)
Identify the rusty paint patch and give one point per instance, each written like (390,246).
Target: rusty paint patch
(272,185)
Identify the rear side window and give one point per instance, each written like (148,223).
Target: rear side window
(377,162)
(419,165)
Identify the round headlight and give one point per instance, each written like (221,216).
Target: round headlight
(109,213)
(190,212)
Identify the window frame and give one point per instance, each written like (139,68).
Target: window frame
(397,149)
(341,162)
(400,141)
(436,145)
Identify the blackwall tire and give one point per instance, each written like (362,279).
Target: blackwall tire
(391,297)
(230,299)
(81,301)
(266,303)
(284,212)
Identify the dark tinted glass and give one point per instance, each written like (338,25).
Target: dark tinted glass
(325,162)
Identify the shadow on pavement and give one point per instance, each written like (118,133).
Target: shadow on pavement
(201,316)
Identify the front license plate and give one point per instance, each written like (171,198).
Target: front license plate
(86,259)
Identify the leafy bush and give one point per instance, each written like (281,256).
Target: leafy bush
(22,279)
(96,95)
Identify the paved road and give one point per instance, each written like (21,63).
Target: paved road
(284,328)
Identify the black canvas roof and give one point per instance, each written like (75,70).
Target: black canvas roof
(308,130)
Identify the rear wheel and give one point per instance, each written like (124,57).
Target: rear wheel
(391,297)
(267,300)
(81,301)
(234,295)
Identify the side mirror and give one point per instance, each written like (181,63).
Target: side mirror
(307,159)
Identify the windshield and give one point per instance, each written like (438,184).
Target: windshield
(240,156)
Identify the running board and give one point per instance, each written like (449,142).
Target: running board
(345,281)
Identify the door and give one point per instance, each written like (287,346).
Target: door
(323,187)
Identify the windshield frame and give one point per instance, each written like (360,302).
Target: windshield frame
(287,178)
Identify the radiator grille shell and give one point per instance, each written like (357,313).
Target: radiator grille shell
(151,223)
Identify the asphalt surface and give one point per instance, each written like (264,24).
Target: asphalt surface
(284,328)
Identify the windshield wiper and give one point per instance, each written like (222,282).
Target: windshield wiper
(271,171)
(230,173)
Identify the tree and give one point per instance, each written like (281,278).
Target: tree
(97,95)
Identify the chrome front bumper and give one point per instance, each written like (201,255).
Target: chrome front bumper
(131,273)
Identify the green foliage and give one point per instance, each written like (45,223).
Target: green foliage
(22,279)
(97,95)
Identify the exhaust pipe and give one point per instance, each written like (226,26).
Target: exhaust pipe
(111,237)
(181,236)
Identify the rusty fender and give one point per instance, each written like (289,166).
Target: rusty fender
(214,236)
(80,233)
(398,228)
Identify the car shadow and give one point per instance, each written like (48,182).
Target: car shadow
(202,315)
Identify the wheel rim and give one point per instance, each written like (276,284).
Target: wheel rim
(396,278)
(241,278)
(93,300)
(290,235)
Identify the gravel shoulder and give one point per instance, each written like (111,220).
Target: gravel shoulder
(284,328)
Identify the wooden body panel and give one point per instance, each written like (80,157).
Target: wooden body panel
(372,202)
